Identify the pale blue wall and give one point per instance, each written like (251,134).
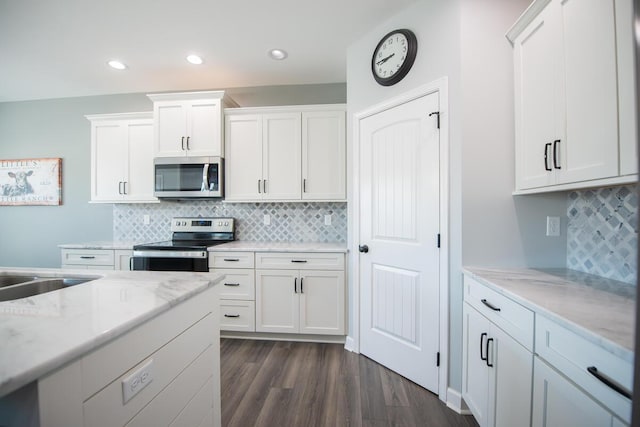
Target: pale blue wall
(29,235)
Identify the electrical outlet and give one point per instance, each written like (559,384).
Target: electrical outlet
(553,226)
(327,220)
(146,220)
(138,380)
(266,220)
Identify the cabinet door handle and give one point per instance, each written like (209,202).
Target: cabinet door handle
(556,144)
(87,257)
(182,143)
(232,284)
(482,337)
(609,382)
(124,187)
(304,185)
(232,259)
(299,261)
(295,285)
(119,187)
(264,186)
(259,186)
(488,304)
(301,285)
(546,156)
(489,340)
(188,143)
(231,315)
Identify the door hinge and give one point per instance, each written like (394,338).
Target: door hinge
(438,239)
(437,114)
(438,359)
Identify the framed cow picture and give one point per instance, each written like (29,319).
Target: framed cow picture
(31,182)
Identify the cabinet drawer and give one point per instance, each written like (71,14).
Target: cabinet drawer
(108,408)
(231,260)
(511,317)
(238,284)
(300,260)
(572,354)
(101,257)
(237,315)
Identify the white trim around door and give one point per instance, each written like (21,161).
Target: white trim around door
(353,340)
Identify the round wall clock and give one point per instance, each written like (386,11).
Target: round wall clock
(393,57)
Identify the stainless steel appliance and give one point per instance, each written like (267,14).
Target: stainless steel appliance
(187,249)
(188,177)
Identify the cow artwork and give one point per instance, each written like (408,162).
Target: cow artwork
(20,187)
(30,182)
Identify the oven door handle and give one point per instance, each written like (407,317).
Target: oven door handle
(205,178)
(169,254)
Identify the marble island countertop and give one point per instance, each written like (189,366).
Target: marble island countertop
(103,244)
(248,246)
(599,309)
(42,333)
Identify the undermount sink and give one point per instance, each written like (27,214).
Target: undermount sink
(15,286)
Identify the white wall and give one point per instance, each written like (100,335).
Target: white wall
(464,41)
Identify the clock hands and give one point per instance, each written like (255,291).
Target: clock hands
(383,60)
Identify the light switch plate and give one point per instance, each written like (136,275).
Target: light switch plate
(553,226)
(267,220)
(137,381)
(146,220)
(327,220)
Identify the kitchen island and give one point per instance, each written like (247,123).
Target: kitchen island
(128,347)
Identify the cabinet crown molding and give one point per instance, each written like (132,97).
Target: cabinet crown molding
(188,96)
(525,19)
(121,116)
(286,109)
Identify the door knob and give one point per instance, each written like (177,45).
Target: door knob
(363,248)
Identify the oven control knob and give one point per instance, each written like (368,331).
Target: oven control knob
(220,223)
(177,222)
(226,223)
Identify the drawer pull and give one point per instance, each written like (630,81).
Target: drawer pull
(295,285)
(232,284)
(301,286)
(232,315)
(87,257)
(299,261)
(488,304)
(482,337)
(609,382)
(232,259)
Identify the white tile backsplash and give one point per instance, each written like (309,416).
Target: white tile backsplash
(289,222)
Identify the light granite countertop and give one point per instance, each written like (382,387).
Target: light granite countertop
(248,246)
(601,310)
(104,244)
(42,333)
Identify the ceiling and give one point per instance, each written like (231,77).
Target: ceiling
(56,49)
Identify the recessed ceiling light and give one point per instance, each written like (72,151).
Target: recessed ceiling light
(194,59)
(278,54)
(117,65)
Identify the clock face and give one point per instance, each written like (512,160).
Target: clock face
(393,57)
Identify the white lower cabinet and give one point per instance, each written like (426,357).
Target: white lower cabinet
(295,298)
(237,290)
(492,360)
(557,402)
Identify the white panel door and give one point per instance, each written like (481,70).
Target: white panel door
(321,302)
(170,131)
(538,75)
(590,91)
(140,179)
(109,157)
(277,301)
(399,222)
(243,164)
(281,156)
(203,128)
(323,156)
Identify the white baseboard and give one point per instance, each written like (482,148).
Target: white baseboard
(350,345)
(456,403)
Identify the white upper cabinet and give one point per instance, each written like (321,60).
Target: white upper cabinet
(122,158)
(189,124)
(285,153)
(572,128)
(323,156)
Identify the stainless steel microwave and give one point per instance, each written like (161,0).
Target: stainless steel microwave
(189,177)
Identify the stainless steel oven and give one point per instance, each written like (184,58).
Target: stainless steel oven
(188,177)
(187,249)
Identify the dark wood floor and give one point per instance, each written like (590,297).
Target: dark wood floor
(284,384)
